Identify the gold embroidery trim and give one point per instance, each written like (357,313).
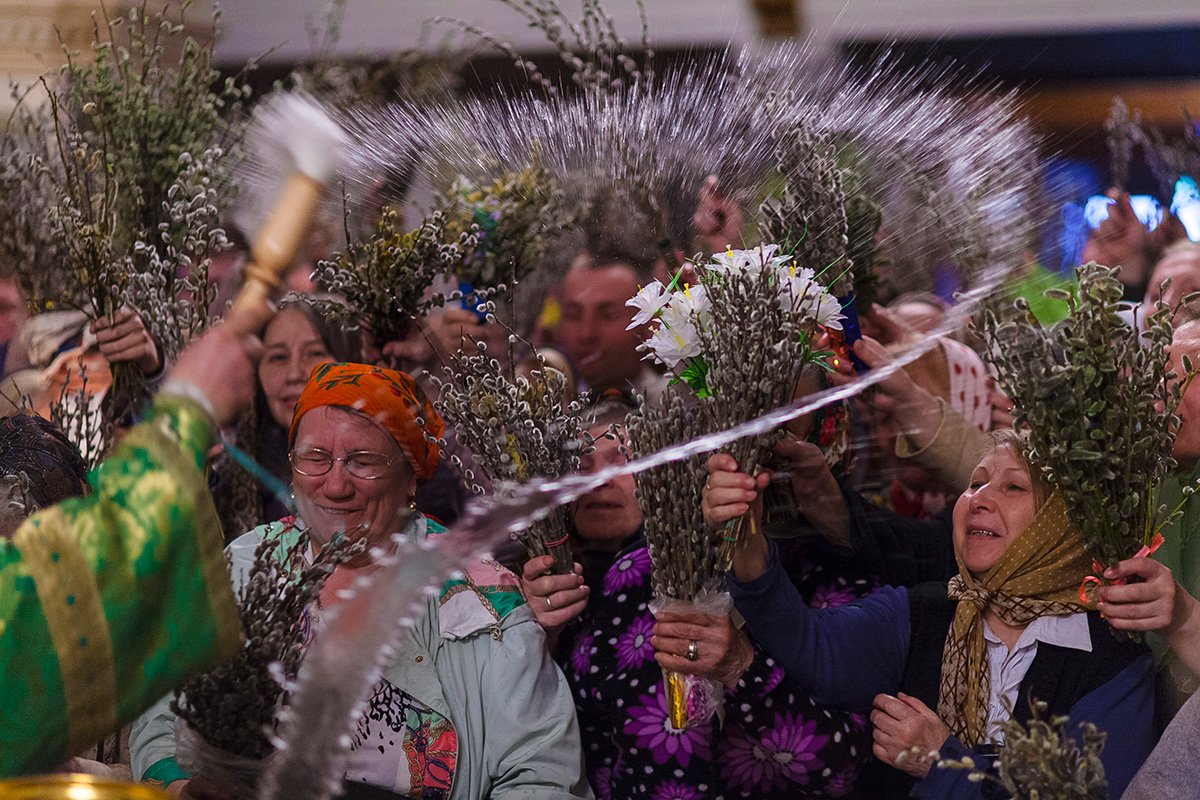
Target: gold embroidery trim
(75,617)
(209,534)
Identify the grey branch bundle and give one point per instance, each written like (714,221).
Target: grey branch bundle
(809,219)
(755,350)
(683,548)
(233,706)
(111,196)
(1042,761)
(517,430)
(1108,449)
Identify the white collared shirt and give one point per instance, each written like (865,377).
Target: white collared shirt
(1010,666)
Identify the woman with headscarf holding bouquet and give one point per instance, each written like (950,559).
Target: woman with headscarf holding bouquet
(942,665)
(469,706)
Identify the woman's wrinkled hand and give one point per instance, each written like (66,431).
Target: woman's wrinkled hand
(1147,605)
(907,733)
(723,652)
(555,599)
(124,337)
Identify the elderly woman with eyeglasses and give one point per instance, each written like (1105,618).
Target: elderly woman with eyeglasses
(470,706)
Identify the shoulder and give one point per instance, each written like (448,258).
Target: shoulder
(483,598)
(241,550)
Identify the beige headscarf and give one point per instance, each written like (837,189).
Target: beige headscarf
(1038,575)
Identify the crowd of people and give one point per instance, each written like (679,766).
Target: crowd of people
(914,585)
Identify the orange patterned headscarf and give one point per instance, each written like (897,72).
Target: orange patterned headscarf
(391,398)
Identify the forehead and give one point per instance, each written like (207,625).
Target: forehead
(1177,266)
(289,325)
(1186,339)
(327,427)
(615,282)
(1001,459)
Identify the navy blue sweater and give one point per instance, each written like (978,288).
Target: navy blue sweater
(845,656)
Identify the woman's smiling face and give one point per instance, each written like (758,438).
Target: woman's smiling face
(997,505)
(338,502)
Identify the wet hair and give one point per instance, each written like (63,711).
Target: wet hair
(619,254)
(1016,443)
(37,449)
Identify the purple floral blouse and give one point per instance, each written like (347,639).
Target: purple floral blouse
(775,743)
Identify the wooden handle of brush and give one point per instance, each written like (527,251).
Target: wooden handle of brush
(276,244)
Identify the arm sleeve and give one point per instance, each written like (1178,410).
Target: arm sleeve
(842,656)
(109,601)
(532,744)
(901,551)
(945,783)
(955,451)
(1123,709)
(152,745)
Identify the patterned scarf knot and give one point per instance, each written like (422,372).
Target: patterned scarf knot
(1038,575)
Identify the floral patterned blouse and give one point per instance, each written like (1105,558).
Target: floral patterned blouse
(775,743)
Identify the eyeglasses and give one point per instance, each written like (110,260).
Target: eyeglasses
(361,463)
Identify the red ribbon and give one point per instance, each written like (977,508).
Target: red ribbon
(1146,550)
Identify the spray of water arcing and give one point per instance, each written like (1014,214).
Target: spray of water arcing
(954,175)
(955,169)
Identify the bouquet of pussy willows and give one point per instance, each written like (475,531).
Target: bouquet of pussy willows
(517,219)
(684,569)
(1040,760)
(1099,398)
(111,192)
(227,716)
(516,428)
(739,339)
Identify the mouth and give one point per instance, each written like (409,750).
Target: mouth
(339,512)
(983,533)
(600,505)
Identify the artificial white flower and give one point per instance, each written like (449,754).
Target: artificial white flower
(827,311)
(796,287)
(746,260)
(691,302)
(800,293)
(649,300)
(676,339)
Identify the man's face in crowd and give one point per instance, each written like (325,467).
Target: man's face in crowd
(1187,441)
(609,514)
(1183,268)
(592,331)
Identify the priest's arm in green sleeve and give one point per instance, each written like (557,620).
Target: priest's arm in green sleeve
(108,602)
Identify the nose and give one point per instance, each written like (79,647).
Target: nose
(587,329)
(338,483)
(296,373)
(983,499)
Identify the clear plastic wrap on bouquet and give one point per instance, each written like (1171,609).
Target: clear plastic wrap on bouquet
(238,774)
(691,699)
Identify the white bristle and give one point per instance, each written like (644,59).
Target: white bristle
(293,130)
